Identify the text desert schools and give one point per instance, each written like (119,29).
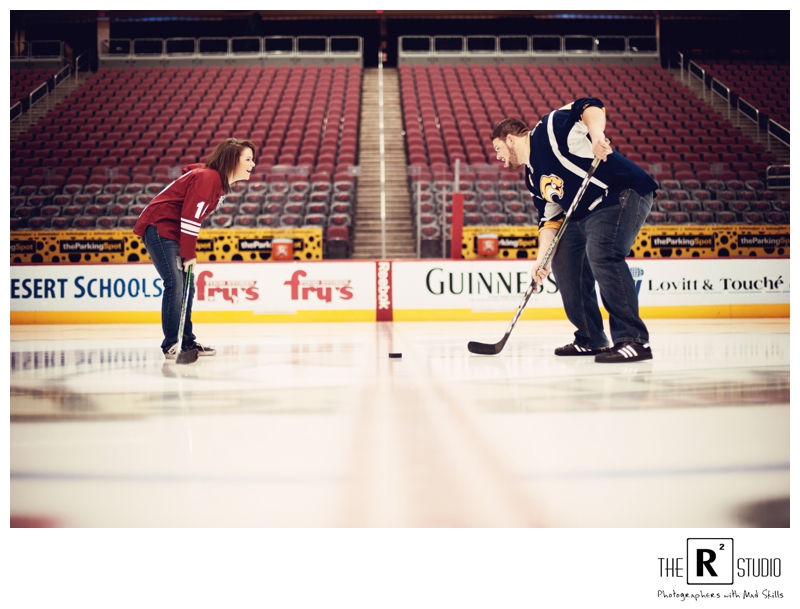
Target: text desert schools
(94,288)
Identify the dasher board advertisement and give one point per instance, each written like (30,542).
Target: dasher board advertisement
(384,290)
(236,292)
(667,288)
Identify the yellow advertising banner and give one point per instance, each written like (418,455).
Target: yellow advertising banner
(76,247)
(663,241)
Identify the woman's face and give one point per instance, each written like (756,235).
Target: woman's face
(244,166)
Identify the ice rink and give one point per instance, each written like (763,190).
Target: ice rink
(312,425)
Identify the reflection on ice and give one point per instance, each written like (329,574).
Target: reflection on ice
(313,425)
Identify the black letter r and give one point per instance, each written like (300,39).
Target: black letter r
(707,563)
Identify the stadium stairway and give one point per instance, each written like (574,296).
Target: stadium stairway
(399,233)
(30,118)
(748,127)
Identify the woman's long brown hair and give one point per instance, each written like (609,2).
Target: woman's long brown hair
(225,157)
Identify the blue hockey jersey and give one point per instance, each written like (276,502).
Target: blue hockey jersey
(561,153)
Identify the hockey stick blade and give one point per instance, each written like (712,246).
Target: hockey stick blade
(489,349)
(485,348)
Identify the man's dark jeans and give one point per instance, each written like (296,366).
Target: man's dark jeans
(594,249)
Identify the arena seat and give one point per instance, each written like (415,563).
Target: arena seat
(244,221)
(317,207)
(315,220)
(337,242)
(290,220)
(61,223)
(249,208)
(221,220)
(691,206)
(127,222)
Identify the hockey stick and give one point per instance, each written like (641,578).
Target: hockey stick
(494,349)
(189,356)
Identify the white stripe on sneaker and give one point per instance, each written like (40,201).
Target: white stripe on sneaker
(628,351)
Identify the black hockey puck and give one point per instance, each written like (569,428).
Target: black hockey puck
(395,355)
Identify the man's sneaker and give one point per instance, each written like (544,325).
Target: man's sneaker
(573,349)
(625,352)
(171,352)
(201,349)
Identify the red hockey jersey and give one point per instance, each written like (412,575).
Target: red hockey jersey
(178,211)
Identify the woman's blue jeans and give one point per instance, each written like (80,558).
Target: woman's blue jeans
(165,254)
(594,249)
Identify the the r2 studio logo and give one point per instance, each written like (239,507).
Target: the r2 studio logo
(709,561)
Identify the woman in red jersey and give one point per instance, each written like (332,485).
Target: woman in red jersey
(169,226)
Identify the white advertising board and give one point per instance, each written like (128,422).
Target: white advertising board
(260,289)
(383,290)
(486,285)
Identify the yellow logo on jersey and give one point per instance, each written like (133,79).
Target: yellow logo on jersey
(551,186)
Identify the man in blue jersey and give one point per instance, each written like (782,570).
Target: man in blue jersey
(557,154)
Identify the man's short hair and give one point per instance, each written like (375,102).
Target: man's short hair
(509,126)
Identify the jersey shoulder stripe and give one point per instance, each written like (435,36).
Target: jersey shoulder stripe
(565,162)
